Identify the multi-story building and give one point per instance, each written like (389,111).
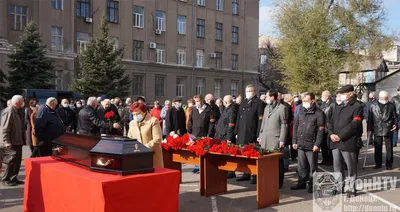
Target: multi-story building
(172,47)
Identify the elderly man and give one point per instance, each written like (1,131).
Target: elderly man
(48,126)
(12,137)
(308,135)
(288,141)
(382,121)
(274,129)
(249,119)
(67,115)
(327,105)
(343,129)
(175,120)
(89,121)
(396,102)
(164,111)
(209,99)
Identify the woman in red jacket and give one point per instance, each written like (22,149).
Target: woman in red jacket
(156,112)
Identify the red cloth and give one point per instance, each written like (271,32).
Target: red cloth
(156,113)
(56,186)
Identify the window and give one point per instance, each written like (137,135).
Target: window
(218,88)
(138,84)
(235,59)
(220,5)
(234,88)
(160,20)
(138,47)
(138,17)
(56,38)
(180,86)
(83,8)
(201,2)
(200,58)
(58,80)
(160,85)
(19,18)
(181,25)
(200,28)
(81,41)
(57,4)
(263,59)
(112,11)
(235,7)
(160,53)
(235,34)
(218,60)
(181,56)
(116,43)
(200,86)
(218,31)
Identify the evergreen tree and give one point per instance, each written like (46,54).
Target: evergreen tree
(101,68)
(3,93)
(28,66)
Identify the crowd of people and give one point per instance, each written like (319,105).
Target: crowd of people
(299,125)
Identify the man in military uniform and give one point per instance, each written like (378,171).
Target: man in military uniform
(249,118)
(344,125)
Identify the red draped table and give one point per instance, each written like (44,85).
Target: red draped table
(56,186)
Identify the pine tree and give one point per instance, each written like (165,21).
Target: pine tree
(28,66)
(102,71)
(3,92)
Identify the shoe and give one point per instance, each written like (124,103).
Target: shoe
(231,175)
(254,180)
(389,167)
(196,171)
(329,163)
(244,177)
(394,145)
(9,183)
(322,162)
(298,187)
(18,182)
(377,167)
(310,188)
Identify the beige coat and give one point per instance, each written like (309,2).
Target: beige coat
(12,129)
(148,132)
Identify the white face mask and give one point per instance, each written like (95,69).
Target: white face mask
(190,105)
(65,105)
(296,99)
(23,104)
(339,102)
(138,117)
(178,105)
(307,105)
(198,104)
(384,102)
(343,97)
(268,101)
(78,105)
(249,95)
(324,99)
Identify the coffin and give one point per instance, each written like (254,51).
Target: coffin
(118,155)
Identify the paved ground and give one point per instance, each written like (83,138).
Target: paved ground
(241,196)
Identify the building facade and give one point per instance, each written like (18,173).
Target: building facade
(172,47)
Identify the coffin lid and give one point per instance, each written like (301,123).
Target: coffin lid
(119,146)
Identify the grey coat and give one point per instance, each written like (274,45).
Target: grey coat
(12,129)
(274,126)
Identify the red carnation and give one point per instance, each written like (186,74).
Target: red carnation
(109,114)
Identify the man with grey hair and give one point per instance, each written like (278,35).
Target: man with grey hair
(12,137)
(89,122)
(163,115)
(48,126)
(327,105)
(382,121)
(215,114)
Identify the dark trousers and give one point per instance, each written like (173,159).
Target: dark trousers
(307,164)
(44,150)
(379,140)
(326,151)
(281,172)
(350,158)
(12,157)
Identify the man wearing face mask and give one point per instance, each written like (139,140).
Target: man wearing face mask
(327,106)
(382,121)
(343,129)
(67,115)
(201,120)
(28,132)
(274,129)
(248,122)
(209,100)
(308,135)
(78,107)
(175,119)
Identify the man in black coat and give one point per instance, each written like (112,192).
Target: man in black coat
(344,129)
(288,141)
(66,114)
(396,102)
(201,119)
(175,120)
(249,119)
(209,99)
(89,122)
(308,135)
(327,105)
(382,119)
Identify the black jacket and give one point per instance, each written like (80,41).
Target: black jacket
(200,124)
(309,128)
(396,101)
(225,129)
(175,120)
(249,120)
(123,113)
(346,123)
(381,119)
(67,115)
(327,108)
(89,122)
(101,112)
(215,115)
(48,125)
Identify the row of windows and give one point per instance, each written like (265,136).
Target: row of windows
(160,86)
